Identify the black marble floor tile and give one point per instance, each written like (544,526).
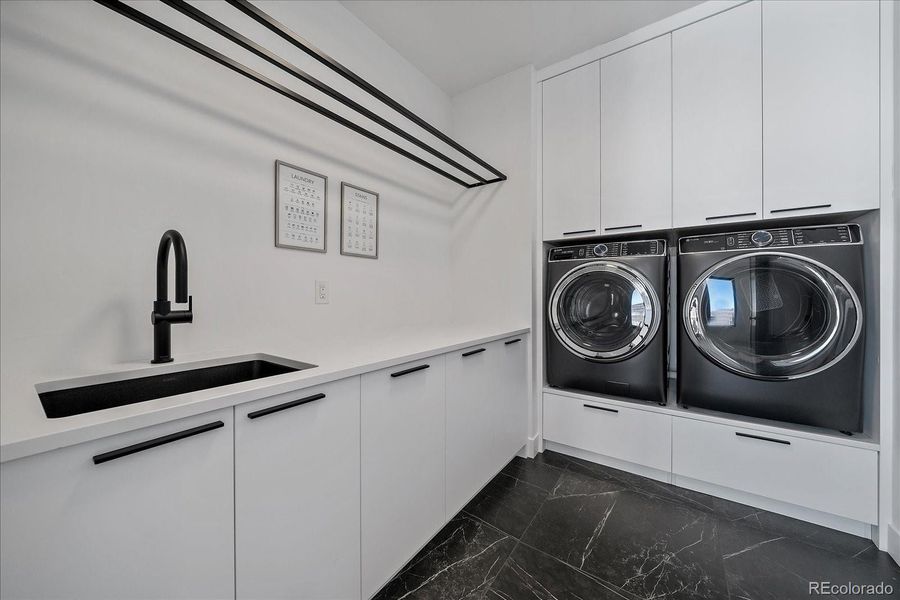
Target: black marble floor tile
(763,566)
(461,562)
(648,547)
(507,503)
(532,575)
(531,471)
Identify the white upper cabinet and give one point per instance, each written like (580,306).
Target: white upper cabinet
(297,494)
(571,153)
(717,119)
(820,106)
(636,138)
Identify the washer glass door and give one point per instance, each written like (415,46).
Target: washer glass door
(770,315)
(604,311)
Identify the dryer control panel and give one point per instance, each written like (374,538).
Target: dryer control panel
(609,250)
(771,238)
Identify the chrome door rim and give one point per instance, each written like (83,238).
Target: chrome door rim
(649,325)
(720,358)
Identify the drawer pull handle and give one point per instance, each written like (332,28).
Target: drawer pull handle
(620,227)
(471,352)
(580,231)
(515,341)
(763,438)
(408,371)
(279,407)
(166,439)
(612,410)
(733,216)
(784,210)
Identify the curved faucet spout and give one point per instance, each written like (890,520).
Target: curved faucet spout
(163,316)
(173,239)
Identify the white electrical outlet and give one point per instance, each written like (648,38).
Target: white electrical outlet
(321,292)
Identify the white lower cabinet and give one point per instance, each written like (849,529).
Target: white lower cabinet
(402,449)
(487,415)
(472,400)
(297,486)
(510,416)
(832,478)
(123,518)
(629,434)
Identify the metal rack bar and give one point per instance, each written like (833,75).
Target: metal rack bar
(244,42)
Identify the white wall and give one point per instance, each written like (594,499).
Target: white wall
(493,225)
(112,134)
(896,390)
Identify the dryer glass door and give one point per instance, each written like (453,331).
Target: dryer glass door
(771,315)
(604,311)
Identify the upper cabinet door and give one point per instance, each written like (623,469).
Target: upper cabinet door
(820,106)
(571,153)
(636,138)
(717,119)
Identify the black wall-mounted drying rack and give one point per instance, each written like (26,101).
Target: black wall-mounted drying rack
(278,28)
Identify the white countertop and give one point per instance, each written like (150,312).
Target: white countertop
(25,429)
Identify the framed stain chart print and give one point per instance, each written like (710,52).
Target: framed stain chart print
(300,200)
(359,221)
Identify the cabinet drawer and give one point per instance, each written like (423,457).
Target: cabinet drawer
(632,435)
(836,479)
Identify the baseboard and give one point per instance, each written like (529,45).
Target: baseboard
(776,506)
(532,447)
(893,543)
(791,510)
(609,461)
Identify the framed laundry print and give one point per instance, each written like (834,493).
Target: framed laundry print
(300,206)
(359,221)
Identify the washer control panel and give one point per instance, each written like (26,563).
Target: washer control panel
(771,238)
(609,250)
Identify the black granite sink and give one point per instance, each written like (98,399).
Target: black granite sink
(90,398)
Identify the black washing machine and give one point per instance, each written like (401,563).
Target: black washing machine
(772,324)
(606,318)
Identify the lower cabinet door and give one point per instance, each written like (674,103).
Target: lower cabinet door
(402,435)
(832,478)
(472,410)
(511,408)
(123,518)
(297,494)
(630,434)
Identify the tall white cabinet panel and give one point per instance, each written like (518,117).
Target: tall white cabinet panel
(472,415)
(820,106)
(157,523)
(571,153)
(402,449)
(636,138)
(297,481)
(511,416)
(717,119)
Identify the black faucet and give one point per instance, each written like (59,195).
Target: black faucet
(162,316)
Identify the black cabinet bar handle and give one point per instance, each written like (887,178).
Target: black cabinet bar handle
(580,231)
(782,210)
(612,410)
(471,352)
(166,439)
(759,437)
(279,407)
(515,341)
(622,227)
(408,371)
(733,216)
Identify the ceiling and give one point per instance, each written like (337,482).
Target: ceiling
(460,44)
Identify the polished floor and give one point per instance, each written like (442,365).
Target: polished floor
(557,527)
